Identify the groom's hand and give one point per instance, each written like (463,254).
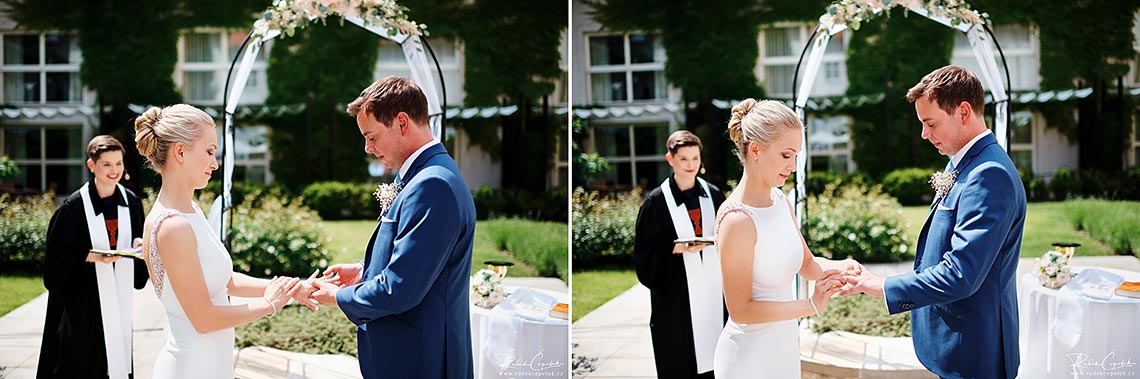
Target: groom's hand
(863,281)
(307,288)
(344,274)
(325,293)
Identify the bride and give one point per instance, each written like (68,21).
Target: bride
(762,249)
(191,270)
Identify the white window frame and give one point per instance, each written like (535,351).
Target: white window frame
(257,89)
(1031,51)
(1027,146)
(43,161)
(455,92)
(1135,159)
(255,162)
(42,68)
(632,158)
(833,152)
(561,159)
(830,56)
(627,67)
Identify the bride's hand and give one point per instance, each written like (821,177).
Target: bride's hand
(307,287)
(827,286)
(280,290)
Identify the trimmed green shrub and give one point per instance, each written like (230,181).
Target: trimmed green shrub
(1064,184)
(858,222)
(493,202)
(23,231)
(861,314)
(1116,223)
(341,200)
(299,329)
(277,236)
(603,226)
(242,189)
(911,186)
(818,181)
(540,244)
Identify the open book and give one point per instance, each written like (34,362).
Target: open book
(132,253)
(703,240)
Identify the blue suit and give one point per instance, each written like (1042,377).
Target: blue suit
(962,293)
(412,304)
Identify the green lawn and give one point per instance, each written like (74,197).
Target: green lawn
(17,290)
(349,239)
(596,287)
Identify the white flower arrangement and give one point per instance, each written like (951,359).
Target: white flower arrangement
(942,182)
(853,12)
(290,15)
(386,195)
(1053,269)
(487,288)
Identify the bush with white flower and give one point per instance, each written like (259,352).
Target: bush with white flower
(290,15)
(487,288)
(1053,269)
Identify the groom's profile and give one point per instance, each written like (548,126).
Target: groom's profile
(961,293)
(409,296)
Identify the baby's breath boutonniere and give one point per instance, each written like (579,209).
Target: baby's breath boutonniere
(386,195)
(942,182)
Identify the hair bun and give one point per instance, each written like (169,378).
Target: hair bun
(145,137)
(738,112)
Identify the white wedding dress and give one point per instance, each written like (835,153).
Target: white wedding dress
(769,349)
(187,353)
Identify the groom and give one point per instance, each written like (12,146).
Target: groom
(961,294)
(409,297)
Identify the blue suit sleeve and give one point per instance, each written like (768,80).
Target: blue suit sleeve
(427,228)
(986,210)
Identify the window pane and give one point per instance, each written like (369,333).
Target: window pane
(251,173)
(608,87)
(65,143)
(29,177)
(201,47)
(648,85)
(250,143)
(779,78)
(233,42)
(22,143)
(444,49)
(645,49)
(836,163)
(64,86)
(1021,127)
(62,179)
(619,175)
(650,140)
(828,133)
(200,86)
(1023,159)
(22,49)
(651,174)
(607,50)
(390,52)
(835,44)
(611,141)
(782,42)
(1013,36)
(831,70)
(61,49)
(21,87)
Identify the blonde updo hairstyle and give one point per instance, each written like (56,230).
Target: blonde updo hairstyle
(156,130)
(759,121)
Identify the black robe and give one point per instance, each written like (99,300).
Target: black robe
(663,272)
(73,330)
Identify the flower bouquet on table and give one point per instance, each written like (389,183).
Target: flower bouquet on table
(487,288)
(1053,269)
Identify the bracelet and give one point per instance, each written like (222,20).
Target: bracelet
(812,302)
(271,306)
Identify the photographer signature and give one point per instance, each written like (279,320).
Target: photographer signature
(1083,362)
(508,361)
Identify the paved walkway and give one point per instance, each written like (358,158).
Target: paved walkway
(613,341)
(21,331)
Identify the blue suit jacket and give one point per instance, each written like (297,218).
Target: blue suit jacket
(412,304)
(962,292)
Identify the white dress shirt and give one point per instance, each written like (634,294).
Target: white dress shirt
(957,158)
(412,158)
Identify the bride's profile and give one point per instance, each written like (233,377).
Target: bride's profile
(190,269)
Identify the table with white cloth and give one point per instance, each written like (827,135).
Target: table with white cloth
(506,344)
(1065,334)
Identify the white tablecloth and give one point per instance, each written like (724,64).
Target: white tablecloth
(1109,342)
(506,346)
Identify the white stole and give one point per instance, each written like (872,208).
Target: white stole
(706,291)
(115,282)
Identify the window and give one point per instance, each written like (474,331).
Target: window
(251,154)
(1018,43)
(60,169)
(41,68)
(829,146)
(561,164)
(636,154)
(780,49)
(1135,141)
(1021,140)
(624,68)
(203,60)
(448,51)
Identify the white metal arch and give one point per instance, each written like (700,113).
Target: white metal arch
(414,52)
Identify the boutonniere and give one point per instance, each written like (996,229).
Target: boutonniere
(942,182)
(386,195)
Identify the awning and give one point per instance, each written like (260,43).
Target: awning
(627,111)
(34,113)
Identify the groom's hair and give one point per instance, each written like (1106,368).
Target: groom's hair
(387,97)
(948,87)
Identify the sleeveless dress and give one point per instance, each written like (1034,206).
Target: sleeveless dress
(771,348)
(187,353)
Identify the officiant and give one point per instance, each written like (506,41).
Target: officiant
(87,331)
(684,281)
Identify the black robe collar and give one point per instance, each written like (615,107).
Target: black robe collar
(97,202)
(679,196)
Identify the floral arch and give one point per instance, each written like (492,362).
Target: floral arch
(843,14)
(385,18)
